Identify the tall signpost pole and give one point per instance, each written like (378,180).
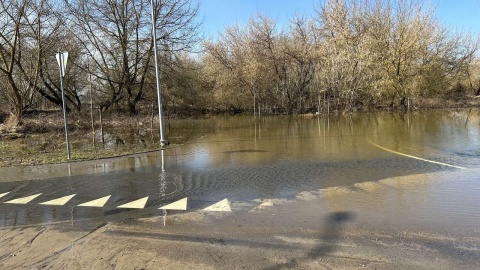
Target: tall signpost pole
(62,64)
(163,140)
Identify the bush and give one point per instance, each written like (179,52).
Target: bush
(456,92)
(3,116)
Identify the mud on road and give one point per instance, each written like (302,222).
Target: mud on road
(312,238)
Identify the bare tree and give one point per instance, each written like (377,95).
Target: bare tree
(12,15)
(299,50)
(29,32)
(116,36)
(228,65)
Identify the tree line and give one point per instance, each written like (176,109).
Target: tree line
(110,51)
(353,54)
(349,55)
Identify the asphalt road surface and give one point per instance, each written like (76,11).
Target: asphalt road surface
(152,215)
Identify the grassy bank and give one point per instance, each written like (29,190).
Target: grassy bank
(41,138)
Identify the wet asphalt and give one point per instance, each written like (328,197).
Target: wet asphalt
(165,183)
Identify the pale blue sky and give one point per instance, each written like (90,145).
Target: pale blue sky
(463,15)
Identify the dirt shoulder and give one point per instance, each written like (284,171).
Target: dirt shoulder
(231,243)
(304,233)
(316,230)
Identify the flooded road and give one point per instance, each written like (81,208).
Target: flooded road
(394,170)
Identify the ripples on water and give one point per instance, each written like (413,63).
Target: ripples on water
(322,152)
(245,158)
(280,157)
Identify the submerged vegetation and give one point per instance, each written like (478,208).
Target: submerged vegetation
(42,140)
(349,56)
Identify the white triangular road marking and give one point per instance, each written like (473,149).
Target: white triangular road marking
(221,206)
(267,206)
(59,201)
(178,205)
(24,200)
(3,194)
(138,204)
(96,203)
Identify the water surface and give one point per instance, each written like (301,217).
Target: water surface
(415,169)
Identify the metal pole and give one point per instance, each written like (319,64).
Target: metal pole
(91,113)
(151,121)
(163,141)
(64,107)
(101,126)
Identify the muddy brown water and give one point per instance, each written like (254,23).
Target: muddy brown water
(415,169)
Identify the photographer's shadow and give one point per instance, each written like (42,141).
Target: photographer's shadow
(331,231)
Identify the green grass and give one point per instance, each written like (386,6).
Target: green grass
(14,153)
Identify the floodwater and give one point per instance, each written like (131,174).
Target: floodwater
(411,170)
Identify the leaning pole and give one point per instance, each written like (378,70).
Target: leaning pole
(62,65)
(163,140)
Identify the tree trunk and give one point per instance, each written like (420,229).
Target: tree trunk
(132,108)
(16,114)
(403,103)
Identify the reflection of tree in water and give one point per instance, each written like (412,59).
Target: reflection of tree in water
(331,231)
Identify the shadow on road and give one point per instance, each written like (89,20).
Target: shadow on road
(331,232)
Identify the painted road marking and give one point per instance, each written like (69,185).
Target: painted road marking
(267,206)
(138,204)
(3,194)
(59,201)
(96,203)
(221,206)
(418,158)
(178,205)
(24,200)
